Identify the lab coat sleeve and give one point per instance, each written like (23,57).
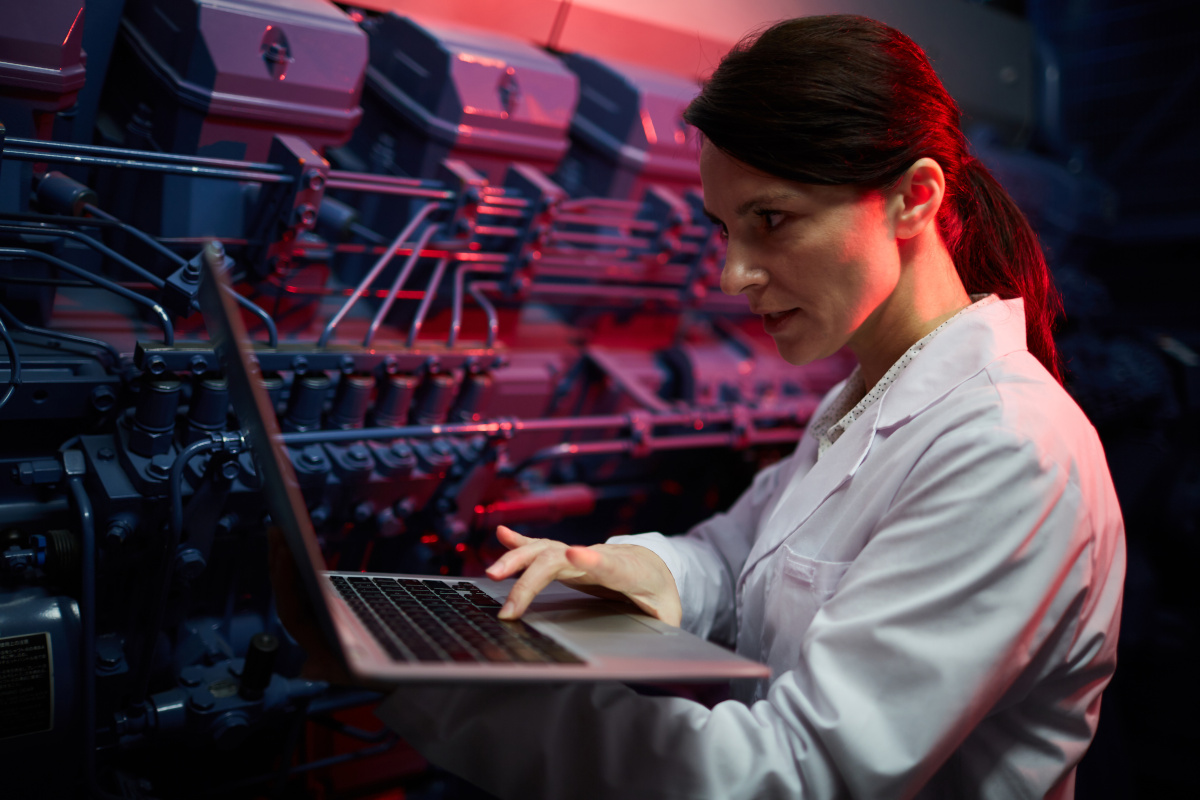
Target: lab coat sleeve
(983,563)
(707,560)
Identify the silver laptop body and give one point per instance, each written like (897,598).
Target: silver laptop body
(594,639)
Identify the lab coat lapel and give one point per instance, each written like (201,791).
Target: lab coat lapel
(800,498)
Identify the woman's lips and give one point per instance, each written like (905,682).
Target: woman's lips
(777,321)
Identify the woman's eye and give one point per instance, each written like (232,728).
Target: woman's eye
(771,219)
(723,232)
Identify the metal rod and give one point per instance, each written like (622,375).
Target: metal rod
(145,166)
(435,280)
(164,318)
(401,277)
(145,155)
(417,219)
(793,416)
(383,188)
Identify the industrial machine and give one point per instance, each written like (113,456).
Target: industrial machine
(482,291)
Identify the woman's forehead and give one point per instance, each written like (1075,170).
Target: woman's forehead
(734,188)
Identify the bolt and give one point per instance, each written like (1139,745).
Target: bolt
(359,453)
(159,467)
(155,365)
(390,365)
(190,676)
(401,450)
(347,364)
(363,512)
(312,455)
(190,273)
(440,446)
(189,564)
(103,398)
(319,515)
(230,470)
(315,180)
(106,454)
(199,365)
(300,365)
(202,700)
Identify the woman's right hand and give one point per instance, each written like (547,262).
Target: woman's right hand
(622,571)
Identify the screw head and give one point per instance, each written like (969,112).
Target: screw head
(199,365)
(312,455)
(159,467)
(300,364)
(155,365)
(106,454)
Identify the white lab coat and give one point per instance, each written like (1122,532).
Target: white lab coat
(938,598)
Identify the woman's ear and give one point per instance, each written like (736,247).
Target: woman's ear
(916,198)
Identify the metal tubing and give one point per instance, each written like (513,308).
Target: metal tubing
(401,277)
(98,246)
(145,155)
(476,290)
(417,219)
(164,318)
(66,337)
(145,166)
(456,315)
(557,424)
(431,288)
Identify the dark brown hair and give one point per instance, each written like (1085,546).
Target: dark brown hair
(847,100)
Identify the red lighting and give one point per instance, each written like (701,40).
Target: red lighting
(460,548)
(429,538)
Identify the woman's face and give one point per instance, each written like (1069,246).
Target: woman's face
(817,262)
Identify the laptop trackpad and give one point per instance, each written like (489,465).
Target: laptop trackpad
(595,617)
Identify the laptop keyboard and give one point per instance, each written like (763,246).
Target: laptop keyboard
(434,620)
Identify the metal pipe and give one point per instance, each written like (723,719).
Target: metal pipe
(556,424)
(145,166)
(476,290)
(164,318)
(146,155)
(385,188)
(98,246)
(417,219)
(456,313)
(66,337)
(401,277)
(431,288)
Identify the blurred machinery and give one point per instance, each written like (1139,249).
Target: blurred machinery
(482,290)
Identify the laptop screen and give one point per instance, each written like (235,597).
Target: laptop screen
(256,415)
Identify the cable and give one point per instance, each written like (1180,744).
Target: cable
(14,365)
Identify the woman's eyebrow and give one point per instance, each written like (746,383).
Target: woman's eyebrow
(758,201)
(766,200)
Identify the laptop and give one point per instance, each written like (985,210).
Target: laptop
(397,628)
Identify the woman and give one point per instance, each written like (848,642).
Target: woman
(935,575)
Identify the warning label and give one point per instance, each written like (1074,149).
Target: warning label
(26,685)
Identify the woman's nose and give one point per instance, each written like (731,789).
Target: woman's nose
(738,275)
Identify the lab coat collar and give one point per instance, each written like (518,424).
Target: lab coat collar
(976,338)
(968,344)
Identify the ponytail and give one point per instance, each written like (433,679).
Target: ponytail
(847,100)
(996,252)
